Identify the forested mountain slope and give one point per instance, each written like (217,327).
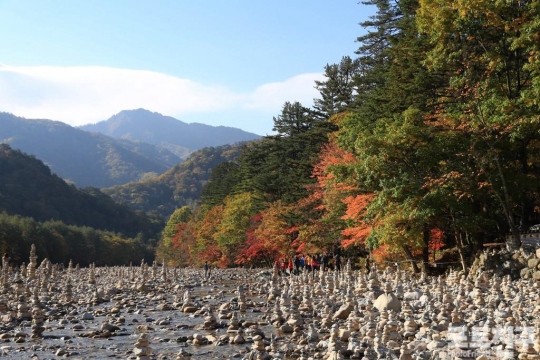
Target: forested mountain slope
(29,189)
(179,186)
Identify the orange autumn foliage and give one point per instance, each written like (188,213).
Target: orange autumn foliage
(273,235)
(323,208)
(330,159)
(207,248)
(356,210)
(381,254)
(256,249)
(213,255)
(436,237)
(182,243)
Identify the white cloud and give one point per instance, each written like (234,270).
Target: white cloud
(272,96)
(85,94)
(79,95)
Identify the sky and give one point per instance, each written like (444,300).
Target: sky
(231,63)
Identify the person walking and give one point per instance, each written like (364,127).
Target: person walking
(296,264)
(337,261)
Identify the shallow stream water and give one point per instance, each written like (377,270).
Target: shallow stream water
(167,329)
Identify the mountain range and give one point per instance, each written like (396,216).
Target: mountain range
(132,145)
(167,132)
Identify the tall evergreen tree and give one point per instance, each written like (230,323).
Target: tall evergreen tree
(222,183)
(278,167)
(339,90)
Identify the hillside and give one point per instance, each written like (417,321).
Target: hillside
(81,157)
(179,186)
(29,189)
(167,132)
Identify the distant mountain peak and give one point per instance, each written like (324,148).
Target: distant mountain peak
(140,115)
(175,135)
(138,112)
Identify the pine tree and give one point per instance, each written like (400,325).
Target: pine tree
(339,90)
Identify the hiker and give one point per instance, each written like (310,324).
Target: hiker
(337,261)
(368,265)
(296,265)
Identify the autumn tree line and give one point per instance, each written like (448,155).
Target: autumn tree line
(425,142)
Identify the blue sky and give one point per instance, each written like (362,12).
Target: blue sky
(217,62)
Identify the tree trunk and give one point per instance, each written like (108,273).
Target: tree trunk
(411,258)
(460,247)
(425,247)
(514,242)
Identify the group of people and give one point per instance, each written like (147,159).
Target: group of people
(310,262)
(300,263)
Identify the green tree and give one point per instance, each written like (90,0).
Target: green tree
(279,167)
(165,249)
(339,90)
(236,220)
(222,182)
(491,95)
(388,131)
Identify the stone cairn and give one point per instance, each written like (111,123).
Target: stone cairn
(164,276)
(210,321)
(70,268)
(92,274)
(68,294)
(154,270)
(234,323)
(242,299)
(5,264)
(32,264)
(142,350)
(38,317)
(23,310)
